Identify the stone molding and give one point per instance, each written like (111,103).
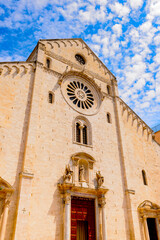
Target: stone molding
(82,156)
(148,209)
(26,175)
(125,107)
(68,188)
(16,68)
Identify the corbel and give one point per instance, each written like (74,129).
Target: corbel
(130,191)
(9,69)
(139,122)
(124,108)
(25,69)
(50,44)
(144,127)
(129,112)
(75,43)
(134,117)
(17,69)
(63,43)
(57,44)
(70,42)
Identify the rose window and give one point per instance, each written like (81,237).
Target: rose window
(80,95)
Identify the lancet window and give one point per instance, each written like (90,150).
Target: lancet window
(144,177)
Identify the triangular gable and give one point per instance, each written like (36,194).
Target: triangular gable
(65,50)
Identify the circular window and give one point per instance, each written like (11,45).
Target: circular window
(80,59)
(80,95)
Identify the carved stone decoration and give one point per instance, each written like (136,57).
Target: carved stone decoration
(67,198)
(100,179)
(68,174)
(101,201)
(81,173)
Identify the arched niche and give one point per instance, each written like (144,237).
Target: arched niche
(83,168)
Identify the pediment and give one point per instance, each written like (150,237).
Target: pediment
(148,205)
(65,51)
(83,156)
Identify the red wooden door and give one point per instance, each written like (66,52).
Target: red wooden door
(83,209)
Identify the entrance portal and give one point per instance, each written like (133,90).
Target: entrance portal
(82,219)
(151,222)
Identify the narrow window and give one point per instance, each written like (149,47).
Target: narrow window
(85,134)
(48,63)
(50,97)
(78,138)
(108,89)
(144,177)
(108,118)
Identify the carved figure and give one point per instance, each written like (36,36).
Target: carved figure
(100,179)
(68,174)
(81,174)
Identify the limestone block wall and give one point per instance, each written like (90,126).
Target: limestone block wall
(15,86)
(141,152)
(49,149)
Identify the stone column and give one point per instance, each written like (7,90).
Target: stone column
(67,216)
(4,219)
(158,227)
(146,229)
(101,203)
(81,133)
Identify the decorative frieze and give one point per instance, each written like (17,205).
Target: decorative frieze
(140,122)
(16,68)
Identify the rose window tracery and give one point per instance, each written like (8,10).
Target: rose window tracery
(80,95)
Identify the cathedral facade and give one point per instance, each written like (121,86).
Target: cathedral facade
(77,163)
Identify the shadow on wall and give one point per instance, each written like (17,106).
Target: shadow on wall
(56,210)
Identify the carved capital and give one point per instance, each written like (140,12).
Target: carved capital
(101,201)
(67,198)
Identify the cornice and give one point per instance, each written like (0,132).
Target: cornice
(16,68)
(125,107)
(71,188)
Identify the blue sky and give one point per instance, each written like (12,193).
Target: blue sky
(124,34)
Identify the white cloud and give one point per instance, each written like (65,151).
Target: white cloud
(119,9)
(135,4)
(117,29)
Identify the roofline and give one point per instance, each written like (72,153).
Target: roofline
(16,62)
(32,51)
(59,39)
(80,39)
